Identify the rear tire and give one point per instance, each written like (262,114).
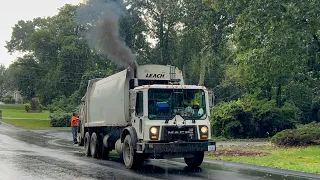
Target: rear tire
(103,151)
(94,145)
(87,144)
(131,159)
(196,160)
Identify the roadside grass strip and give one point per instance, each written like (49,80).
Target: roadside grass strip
(18,113)
(304,159)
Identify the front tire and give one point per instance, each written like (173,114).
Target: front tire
(130,158)
(196,160)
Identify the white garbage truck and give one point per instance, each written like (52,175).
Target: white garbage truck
(146,112)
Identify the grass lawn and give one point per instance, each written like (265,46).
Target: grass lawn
(12,106)
(17,111)
(306,159)
(33,124)
(31,121)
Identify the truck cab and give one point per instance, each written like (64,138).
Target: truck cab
(172,121)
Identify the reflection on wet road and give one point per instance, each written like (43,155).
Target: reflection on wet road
(51,155)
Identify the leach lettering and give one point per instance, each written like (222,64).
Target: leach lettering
(155,75)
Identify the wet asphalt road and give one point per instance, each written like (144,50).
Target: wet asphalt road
(42,155)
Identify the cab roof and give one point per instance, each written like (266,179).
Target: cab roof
(170,86)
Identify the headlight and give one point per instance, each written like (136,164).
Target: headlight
(153,130)
(204,129)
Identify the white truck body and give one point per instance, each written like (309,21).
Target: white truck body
(108,101)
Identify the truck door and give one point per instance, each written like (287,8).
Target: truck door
(139,114)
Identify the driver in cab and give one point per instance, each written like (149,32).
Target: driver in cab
(192,107)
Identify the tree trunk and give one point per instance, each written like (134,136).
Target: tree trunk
(166,55)
(184,73)
(268,92)
(202,70)
(161,38)
(278,98)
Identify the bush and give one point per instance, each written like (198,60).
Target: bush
(41,107)
(8,100)
(35,105)
(61,104)
(250,118)
(302,136)
(27,107)
(227,120)
(60,119)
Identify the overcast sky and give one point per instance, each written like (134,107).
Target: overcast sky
(14,10)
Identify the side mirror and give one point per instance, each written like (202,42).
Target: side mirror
(211,99)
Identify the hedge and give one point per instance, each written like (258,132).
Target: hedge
(60,119)
(303,135)
(252,119)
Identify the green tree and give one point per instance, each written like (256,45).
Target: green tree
(26,74)
(2,81)
(276,49)
(60,56)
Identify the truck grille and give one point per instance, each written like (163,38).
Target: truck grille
(173,133)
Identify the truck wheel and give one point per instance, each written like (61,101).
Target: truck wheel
(130,158)
(94,145)
(87,144)
(196,160)
(103,151)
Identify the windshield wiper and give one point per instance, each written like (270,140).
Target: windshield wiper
(193,120)
(167,119)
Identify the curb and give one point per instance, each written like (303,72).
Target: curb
(12,126)
(266,169)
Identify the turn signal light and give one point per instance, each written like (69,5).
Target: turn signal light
(204,136)
(153,137)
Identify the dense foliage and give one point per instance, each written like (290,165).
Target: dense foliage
(60,119)
(261,58)
(253,118)
(27,107)
(8,100)
(303,135)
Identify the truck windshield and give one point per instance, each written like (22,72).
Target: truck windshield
(166,103)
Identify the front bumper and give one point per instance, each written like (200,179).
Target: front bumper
(178,147)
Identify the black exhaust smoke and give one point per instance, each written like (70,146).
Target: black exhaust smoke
(103,33)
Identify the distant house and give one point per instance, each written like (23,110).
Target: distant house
(18,99)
